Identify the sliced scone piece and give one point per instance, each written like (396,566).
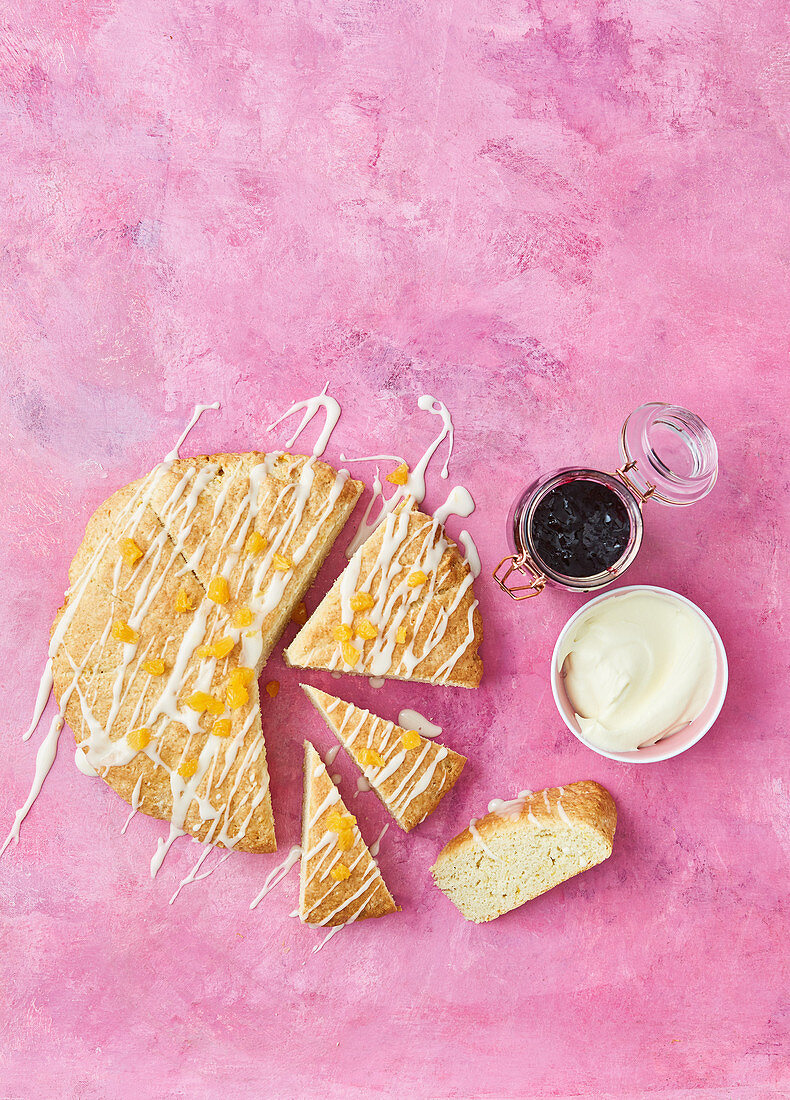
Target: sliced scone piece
(403,608)
(525,847)
(409,773)
(339,881)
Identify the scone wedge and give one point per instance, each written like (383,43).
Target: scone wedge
(526,847)
(404,608)
(339,882)
(409,773)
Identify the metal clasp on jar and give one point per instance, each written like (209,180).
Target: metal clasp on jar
(520,564)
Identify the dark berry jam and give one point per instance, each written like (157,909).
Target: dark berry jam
(580,529)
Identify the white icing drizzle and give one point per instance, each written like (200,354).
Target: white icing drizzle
(363,786)
(470,553)
(278,874)
(511,808)
(330,754)
(376,681)
(45,758)
(42,698)
(332,932)
(193,875)
(475,834)
(135,803)
(198,411)
(376,845)
(413,720)
(415,484)
(84,765)
(458,503)
(312,406)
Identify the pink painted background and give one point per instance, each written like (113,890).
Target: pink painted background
(545,214)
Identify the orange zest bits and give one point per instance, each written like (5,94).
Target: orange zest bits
(400,475)
(130,551)
(221,727)
(415,579)
(242,675)
(188,768)
(272,688)
(242,616)
(184,601)
(255,543)
(138,739)
(342,632)
(201,700)
(279,561)
(122,632)
(362,601)
(401,635)
(237,695)
(411,739)
(339,872)
(366,629)
(299,614)
(350,653)
(154,667)
(371,758)
(218,590)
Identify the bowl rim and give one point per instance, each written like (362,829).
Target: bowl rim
(682,738)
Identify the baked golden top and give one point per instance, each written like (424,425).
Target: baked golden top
(182,584)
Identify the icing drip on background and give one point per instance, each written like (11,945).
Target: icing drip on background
(311,407)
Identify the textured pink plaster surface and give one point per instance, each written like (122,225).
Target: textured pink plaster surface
(545,214)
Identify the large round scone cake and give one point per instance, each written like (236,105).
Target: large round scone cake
(182,585)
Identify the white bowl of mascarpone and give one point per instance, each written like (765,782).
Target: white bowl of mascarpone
(639,674)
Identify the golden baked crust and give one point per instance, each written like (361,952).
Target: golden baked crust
(526,847)
(410,782)
(438,620)
(190,520)
(324,900)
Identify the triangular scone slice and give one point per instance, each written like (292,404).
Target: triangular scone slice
(264,523)
(409,773)
(340,881)
(403,608)
(525,847)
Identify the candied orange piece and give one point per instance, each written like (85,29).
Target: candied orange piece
(242,675)
(342,632)
(362,601)
(366,629)
(350,653)
(242,616)
(272,688)
(221,727)
(369,757)
(279,561)
(339,872)
(184,601)
(139,738)
(218,590)
(130,551)
(203,651)
(236,695)
(400,475)
(223,647)
(255,543)
(188,768)
(345,840)
(299,614)
(336,822)
(154,666)
(401,635)
(122,632)
(201,700)
(416,578)
(411,739)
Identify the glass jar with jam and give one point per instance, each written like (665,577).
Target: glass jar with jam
(581,528)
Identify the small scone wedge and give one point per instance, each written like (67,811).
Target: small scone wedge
(339,880)
(526,847)
(409,773)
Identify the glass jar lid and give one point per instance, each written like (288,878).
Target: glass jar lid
(670,454)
